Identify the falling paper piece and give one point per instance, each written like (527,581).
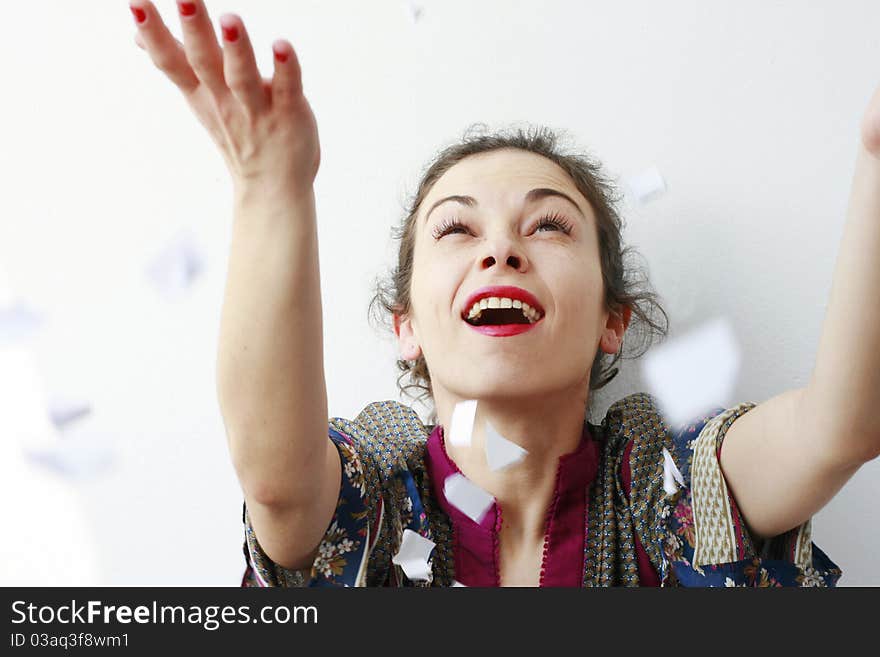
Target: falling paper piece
(413,555)
(647,185)
(413,10)
(64,411)
(694,373)
(500,452)
(467,497)
(74,459)
(17,322)
(462,424)
(671,476)
(175,268)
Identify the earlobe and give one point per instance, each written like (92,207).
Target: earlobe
(610,343)
(612,339)
(406,339)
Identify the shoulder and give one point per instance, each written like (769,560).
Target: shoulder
(386,432)
(636,423)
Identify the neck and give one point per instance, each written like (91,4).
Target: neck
(547,429)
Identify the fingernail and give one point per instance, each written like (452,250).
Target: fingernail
(187,8)
(139,14)
(230,33)
(280,56)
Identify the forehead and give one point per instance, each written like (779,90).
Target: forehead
(502,177)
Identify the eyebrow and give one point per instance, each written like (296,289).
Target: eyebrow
(533,195)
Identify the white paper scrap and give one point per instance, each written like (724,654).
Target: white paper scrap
(175,268)
(413,555)
(467,497)
(455,583)
(500,452)
(461,427)
(76,459)
(18,322)
(64,411)
(647,185)
(693,373)
(672,478)
(413,10)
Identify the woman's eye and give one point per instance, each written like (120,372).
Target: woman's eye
(449,228)
(456,227)
(555,223)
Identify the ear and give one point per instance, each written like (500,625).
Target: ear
(615,327)
(406,337)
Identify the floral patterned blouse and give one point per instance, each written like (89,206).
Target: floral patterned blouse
(611,523)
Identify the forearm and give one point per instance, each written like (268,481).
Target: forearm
(270,369)
(843,396)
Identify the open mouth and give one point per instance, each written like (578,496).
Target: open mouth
(494,311)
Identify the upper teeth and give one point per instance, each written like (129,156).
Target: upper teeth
(503,302)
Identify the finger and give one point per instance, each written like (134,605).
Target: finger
(165,51)
(287,80)
(240,65)
(201,47)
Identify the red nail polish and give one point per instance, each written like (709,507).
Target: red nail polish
(139,14)
(230,33)
(187,8)
(280,56)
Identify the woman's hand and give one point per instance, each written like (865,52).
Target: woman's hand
(265,129)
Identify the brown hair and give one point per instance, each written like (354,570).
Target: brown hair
(623,287)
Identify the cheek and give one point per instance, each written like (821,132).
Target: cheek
(578,291)
(435,281)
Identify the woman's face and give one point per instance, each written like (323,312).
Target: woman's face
(516,220)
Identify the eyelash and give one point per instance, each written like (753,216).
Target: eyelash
(553,219)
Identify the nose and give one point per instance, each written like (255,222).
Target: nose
(507,253)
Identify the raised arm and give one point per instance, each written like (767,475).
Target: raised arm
(270,371)
(785,459)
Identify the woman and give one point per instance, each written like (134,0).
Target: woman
(509,292)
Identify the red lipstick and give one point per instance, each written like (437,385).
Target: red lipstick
(503,330)
(504,291)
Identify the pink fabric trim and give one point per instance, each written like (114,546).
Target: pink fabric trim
(564,547)
(476,546)
(648,575)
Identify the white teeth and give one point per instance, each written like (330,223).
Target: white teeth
(503,302)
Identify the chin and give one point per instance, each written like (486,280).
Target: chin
(520,384)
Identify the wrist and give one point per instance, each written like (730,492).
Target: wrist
(272,192)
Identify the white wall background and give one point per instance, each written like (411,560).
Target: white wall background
(749,109)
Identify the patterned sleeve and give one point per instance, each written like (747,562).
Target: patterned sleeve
(343,552)
(706,541)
